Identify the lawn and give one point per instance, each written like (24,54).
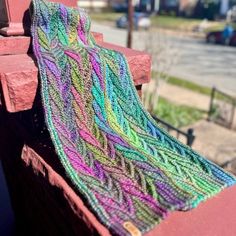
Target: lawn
(174,23)
(164,22)
(105,16)
(193,87)
(167,22)
(187,24)
(186,84)
(189,85)
(219,27)
(177,115)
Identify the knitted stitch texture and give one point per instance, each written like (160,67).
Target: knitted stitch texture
(124,165)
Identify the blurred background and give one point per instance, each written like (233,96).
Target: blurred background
(193,85)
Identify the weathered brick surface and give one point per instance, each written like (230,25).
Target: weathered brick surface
(13,13)
(83,222)
(14,45)
(13,29)
(43,202)
(19,80)
(19,76)
(46,204)
(51,207)
(98,37)
(22,44)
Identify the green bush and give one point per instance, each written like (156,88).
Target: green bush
(177,115)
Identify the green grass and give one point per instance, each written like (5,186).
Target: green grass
(167,22)
(218,27)
(174,23)
(177,115)
(186,84)
(164,22)
(189,85)
(197,88)
(192,86)
(105,16)
(186,24)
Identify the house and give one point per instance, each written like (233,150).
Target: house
(191,8)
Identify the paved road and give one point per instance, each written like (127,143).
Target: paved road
(209,65)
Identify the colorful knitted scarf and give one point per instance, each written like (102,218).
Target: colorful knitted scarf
(128,170)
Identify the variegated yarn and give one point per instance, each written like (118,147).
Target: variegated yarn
(126,167)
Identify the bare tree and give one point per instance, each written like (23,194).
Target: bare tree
(164,54)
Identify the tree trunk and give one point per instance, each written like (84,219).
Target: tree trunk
(130,23)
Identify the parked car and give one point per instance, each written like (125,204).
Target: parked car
(141,20)
(216,37)
(120,7)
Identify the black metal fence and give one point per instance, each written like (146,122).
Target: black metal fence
(189,135)
(222,108)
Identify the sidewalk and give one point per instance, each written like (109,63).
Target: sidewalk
(184,96)
(213,141)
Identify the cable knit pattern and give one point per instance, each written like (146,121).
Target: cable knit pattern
(126,167)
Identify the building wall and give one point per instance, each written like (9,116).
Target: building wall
(93,3)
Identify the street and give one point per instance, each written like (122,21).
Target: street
(204,64)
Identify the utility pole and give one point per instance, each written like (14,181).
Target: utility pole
(130,23)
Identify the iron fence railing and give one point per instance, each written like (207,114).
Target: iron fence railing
(189,135)
(222,108)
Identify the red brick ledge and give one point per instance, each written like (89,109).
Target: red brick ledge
(215,217)
(19,76)
(40,167)
(22,44)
